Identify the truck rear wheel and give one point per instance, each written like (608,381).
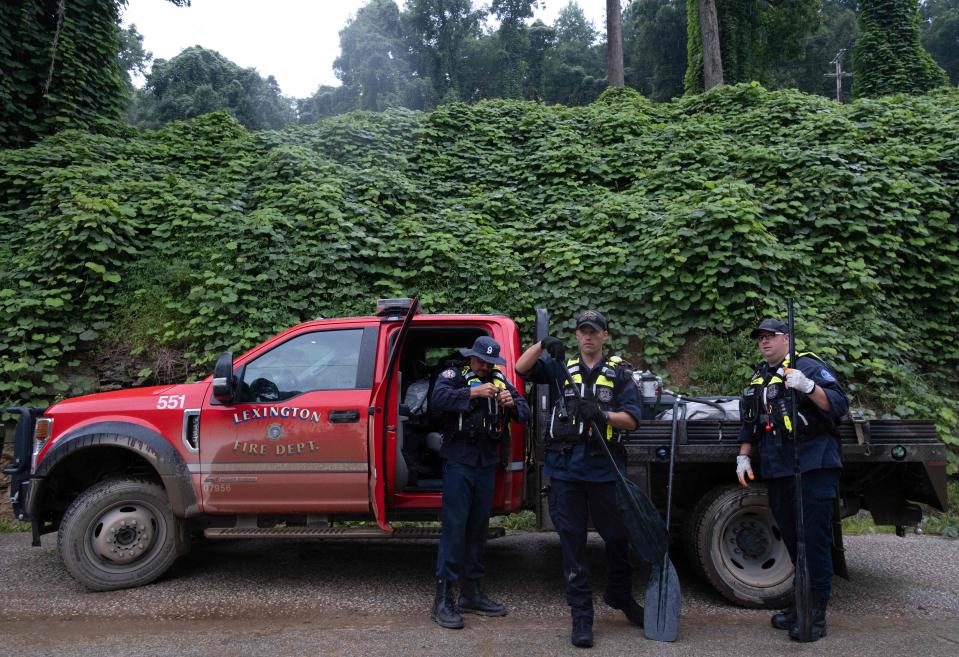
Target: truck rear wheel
(732,539)
(118,534)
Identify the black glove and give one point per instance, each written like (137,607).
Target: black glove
(589,411)
(554,347)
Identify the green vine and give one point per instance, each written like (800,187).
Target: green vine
(888,56)
(680,220)
(60,68)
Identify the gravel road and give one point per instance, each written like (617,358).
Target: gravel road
(370,598)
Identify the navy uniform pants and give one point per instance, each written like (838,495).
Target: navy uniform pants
(819,490)
(467,500)
(570,505)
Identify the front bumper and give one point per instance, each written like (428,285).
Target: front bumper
(19,470)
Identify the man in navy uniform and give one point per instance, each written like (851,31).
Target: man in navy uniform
(582,480)
(821,403)
(478,404)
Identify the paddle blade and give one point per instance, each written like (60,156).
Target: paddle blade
(663,603)
(803,594)
(645,528)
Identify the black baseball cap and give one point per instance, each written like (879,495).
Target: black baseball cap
(486,349)
(769,325)
(592,318)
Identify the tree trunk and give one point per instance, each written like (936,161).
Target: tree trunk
(614,44)
(712,56)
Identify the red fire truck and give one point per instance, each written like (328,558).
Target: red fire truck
(327,424)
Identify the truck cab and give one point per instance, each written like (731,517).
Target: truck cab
(322,425)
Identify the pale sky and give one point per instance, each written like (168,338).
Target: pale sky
(295,41)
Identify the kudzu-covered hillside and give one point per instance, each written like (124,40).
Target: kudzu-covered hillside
(685,222)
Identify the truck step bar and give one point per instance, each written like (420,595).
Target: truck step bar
(331,532)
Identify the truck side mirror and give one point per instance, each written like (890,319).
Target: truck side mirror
(224,383)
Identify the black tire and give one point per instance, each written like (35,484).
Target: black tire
(118,534)
(733,541)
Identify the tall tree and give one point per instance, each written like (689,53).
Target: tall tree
(514,40)
(198,81)
(574,68)
(438,31)
(889,57)
(754,35)
(712,55)
(573,27)
(940,34)
(374,57)
(134,59)
(614,44)
(506,62)
(542,38)
(654,40)
(326,101)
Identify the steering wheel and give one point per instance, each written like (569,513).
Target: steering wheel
(264,390)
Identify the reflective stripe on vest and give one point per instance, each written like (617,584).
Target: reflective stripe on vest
(606,379)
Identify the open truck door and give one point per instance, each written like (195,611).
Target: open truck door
(379,419)
(540,405)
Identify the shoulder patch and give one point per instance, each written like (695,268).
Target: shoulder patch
(448,374)
(826,375)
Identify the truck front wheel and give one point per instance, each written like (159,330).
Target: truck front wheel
(118,534)
(734,542)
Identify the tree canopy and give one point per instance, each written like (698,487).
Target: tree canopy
(940,34)
(199,81)
(70,65)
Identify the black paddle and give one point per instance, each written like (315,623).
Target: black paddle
(663,599)
(646,533)
(801,582)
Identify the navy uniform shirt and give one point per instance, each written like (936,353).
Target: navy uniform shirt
(816,452)
(578,464)
(452,395)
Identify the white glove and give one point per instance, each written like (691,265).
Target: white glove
(798,381)
(744,467)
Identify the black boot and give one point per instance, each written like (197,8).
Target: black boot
(785,619)
(817,626)
(582,635)
(444,612)
(628,605)
(474,601)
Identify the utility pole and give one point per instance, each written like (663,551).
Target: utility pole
(839,74)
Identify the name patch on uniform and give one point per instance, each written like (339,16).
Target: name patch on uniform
(448,374)
(826,375)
